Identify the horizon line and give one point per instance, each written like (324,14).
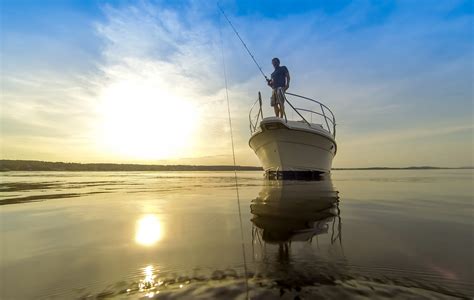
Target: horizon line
(22,161)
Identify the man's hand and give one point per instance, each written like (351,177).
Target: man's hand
(286,87)
(269,82)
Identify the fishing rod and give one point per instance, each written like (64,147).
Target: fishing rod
(238,35)
(233,151)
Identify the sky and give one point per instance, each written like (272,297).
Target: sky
(144,81)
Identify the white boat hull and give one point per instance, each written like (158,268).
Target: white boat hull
(293,146)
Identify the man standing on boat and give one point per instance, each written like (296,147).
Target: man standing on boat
(280,82)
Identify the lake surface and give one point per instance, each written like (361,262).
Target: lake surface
(180,235)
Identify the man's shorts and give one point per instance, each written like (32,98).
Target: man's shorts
(277,95)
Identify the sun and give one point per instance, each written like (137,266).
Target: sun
(143,121)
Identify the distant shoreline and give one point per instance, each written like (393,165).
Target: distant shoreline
(35,165)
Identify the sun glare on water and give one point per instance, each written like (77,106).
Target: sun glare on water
(142,121)
(149,230)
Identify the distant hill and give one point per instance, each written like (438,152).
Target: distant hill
(35,165)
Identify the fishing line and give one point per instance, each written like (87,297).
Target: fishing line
(235,168)
(238,35)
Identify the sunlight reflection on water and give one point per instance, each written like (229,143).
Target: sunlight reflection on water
(149,283)
(149,230)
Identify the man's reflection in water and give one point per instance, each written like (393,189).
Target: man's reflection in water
(283,252)
(295,211)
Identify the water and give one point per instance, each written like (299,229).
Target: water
(178,234)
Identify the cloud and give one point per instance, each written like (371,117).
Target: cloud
(398,136)
(177,54)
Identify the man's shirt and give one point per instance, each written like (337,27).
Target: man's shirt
(279,77)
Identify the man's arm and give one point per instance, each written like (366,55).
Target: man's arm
(287,80)
(269,82)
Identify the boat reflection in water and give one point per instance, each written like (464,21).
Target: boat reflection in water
(295,211)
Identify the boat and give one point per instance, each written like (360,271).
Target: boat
(292,148)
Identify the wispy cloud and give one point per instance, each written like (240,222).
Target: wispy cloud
(398,136)
(176,53)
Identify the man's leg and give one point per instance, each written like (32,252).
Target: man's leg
(281,102)
(281,99)
(277,110)
(274,102)
(282,110)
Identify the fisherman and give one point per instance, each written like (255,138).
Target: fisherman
(279,82)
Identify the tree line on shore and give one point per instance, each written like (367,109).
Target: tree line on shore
(34,165)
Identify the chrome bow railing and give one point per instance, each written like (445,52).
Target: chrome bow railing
(317,109)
